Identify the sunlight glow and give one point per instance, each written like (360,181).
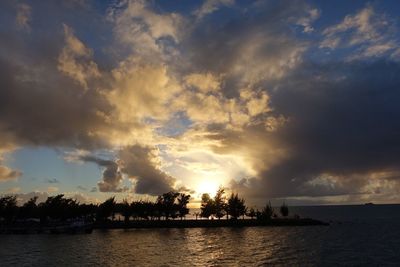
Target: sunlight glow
(208,185)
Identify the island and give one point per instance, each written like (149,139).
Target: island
(59,214)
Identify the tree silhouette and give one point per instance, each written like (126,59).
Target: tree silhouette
(125,210)
(136,209)
(207,206)
(147,210)
(88,211)
(166,202)
(219,203)
(236,206)
(169,205)
(267,212)
(106,209)
(29,209)
(59,208)
(183,200)
(284,209)
(8,208)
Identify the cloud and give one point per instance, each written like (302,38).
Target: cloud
(112,176)
(74,59)
(364,24)
(52,189)
(43,106)
(247,50)
(52,181)
(142,165)
(8,174)
(144,30)
(82,198)
(255,104)
(14,190)
(210,6)
(114,108)
(331,146)
(23,16)
(204,82)
(83,188)
(307,20)
(24,197)
(371,32)
(141,90)
(33,107)
(111,179)
(185,190)
(243,90)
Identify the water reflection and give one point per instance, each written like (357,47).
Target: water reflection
(156,247)
(256,246)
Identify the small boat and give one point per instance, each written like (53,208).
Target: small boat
(72,227)
(77,226)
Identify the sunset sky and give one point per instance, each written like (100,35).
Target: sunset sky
(293,100)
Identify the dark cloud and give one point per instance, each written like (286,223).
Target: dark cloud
(141,164)
(246,48)
(41,113)
(112,176)
(185,189)
(40,105)
(52,181)
(341,137)
(330,129)
(43,106)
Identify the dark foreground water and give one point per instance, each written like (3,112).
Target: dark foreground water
(365,236)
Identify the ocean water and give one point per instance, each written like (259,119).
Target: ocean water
(357,236)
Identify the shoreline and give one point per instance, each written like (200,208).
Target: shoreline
(191,223)
(157,224)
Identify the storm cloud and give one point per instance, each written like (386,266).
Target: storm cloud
(341,135)
(142,165)
(282,106)
(112,176)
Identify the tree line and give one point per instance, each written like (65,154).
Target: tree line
(171,205)
(166,206)
(234,207)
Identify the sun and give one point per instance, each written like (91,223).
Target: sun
(209,186)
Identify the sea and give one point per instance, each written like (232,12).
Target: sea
(364,235)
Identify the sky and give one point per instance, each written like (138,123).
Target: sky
(276,100)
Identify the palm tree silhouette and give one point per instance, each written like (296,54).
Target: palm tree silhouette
(219,203)
(125,209)
(207,206)
(267,212)
(183,200)
(166,202)
(106,209)
(236,206)
(284,209)
(29,209)
(8,208)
